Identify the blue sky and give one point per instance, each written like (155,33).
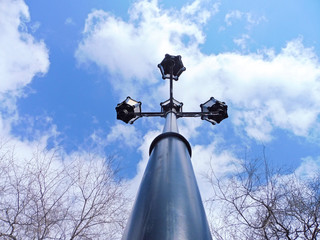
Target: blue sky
(64,66)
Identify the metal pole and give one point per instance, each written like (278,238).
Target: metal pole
(171,91)
(168,205)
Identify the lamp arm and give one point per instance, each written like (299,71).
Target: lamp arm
(179,114)
(150,114)
(196,114)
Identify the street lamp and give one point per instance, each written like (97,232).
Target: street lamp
(168,204)
(128,110)
(171,67)
(176,106)
(214,111)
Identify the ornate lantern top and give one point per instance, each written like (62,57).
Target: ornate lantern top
(171,65)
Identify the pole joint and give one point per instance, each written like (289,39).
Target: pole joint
(167,135)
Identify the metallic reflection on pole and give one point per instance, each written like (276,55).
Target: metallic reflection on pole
(168,204)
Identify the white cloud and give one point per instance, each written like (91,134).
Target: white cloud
(130,49)
(236,15)
(126,135)
(242,41)
(264,90)
(21,56)
(35,26)
(309,168)
(199,12)
(210,158)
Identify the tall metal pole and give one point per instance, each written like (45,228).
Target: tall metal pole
(171,86)
(168,205)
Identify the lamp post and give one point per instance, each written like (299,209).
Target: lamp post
(168,205)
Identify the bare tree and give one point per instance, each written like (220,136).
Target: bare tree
(259,203)
(97,201)
(50,197)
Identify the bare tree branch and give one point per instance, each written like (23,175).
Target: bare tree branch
(262,203)
(47,197)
